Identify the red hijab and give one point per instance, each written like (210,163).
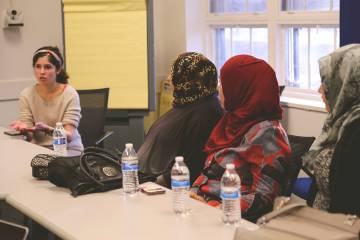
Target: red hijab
(251,94)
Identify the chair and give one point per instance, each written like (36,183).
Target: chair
(281,89)
(93,104)
(12,231)
(299,146)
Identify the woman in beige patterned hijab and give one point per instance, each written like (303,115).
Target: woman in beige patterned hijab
(184,130)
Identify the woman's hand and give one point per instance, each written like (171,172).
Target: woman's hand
(40,126)
(24,129)
(212,203)
(197,197)
(19,126)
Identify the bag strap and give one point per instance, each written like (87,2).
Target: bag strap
(83,162)
(279,211)
(101,150)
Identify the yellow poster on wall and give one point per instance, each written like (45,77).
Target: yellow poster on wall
(106,46)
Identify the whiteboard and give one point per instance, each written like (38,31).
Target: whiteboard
(106,46)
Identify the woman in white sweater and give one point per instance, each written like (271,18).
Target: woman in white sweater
(49,101)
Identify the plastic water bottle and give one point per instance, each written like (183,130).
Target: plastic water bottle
(230,195)
(180,184)
(59,140)
(130,166)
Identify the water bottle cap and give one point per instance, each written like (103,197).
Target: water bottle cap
(179,158)
(129,145)
(230,166)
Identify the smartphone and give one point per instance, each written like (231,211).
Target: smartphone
(12,133)
(152,190)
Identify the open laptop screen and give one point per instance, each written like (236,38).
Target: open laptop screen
(12,231)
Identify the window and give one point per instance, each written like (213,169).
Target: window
(309,5)
(290,34)
(240,40)
(237,6)
(304,46)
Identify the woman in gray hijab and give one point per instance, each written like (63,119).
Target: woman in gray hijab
(334,158)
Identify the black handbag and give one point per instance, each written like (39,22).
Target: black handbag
(96,170)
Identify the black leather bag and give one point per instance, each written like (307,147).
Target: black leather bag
(96,170)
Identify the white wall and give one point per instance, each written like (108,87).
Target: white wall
(42,26)
(170,38)
(302,121)
(195,29)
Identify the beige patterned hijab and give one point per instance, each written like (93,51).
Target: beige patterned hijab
(194,77)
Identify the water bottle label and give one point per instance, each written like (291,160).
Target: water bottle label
(229,195)
(179,184)
(59,141)
(129,167)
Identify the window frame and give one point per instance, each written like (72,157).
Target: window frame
(275,20)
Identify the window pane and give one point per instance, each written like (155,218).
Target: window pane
(234,41)
(220,52)
(309,5)
(321,43)
(336,4)
(302,60)
(241,41)
(293,5)
(223,45)
(260,43)
(216,6)
(257,6)
(304,47)
(296,56)
(221,6)
(228,43)
(318,5)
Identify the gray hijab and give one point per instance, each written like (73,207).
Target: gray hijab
(340,77)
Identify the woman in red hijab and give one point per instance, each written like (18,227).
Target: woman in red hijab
(250,136)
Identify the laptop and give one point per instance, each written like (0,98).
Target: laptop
(12,231)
